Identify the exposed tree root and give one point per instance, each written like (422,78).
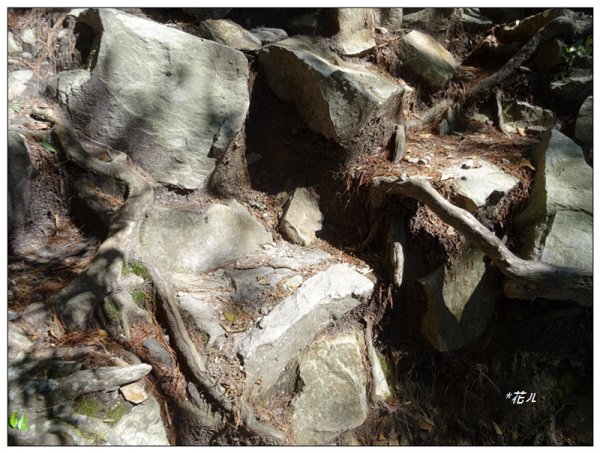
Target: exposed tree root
(103,281)
(525,279)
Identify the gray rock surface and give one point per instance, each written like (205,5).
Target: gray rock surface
(11,45)
(189,242)
(18,343)
(460,300)
(143,425)
(269,35)
(62,85)
(391,18)
(334,397)
(158,352)
(478,187)
(17,83)
(427,60)
(19,174)
(205,315)
(521,114)
(584,128)
(296,322)
(229,33)
(28,36)
(572,90)
(556,223)
(352,28)
(336,99)
(302,218)
(172,101)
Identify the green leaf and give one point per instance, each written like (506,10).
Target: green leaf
(16,107)
(13,420)
(22,424)
(229,316)
(47,146)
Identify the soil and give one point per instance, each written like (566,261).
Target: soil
(456,398)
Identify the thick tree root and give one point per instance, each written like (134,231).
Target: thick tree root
(102,281)
(525,279)
(196,363)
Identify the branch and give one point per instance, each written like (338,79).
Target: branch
(526,279)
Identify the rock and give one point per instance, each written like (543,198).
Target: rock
(189,242)
(38,316)
(296,322)
(460,299)
(19,174)
(303,24)
(472,17)
(521,114)
(205,315)
(158,352)
(143,425)
(571,91)
(269,35)
(550,55)
(584,128)
(556,224)
(391,18)
(28,36)
(333,398)
(201,14)
(427,60)
(172,101)
(339,100)
(253,283)
(17,83)
(134,393)
(229,33)
(443,128)
(351,27)
(380,390)
(18,344)
(396,242)
(427,17)
(62,85)
(27,56)
(399,143)
(478,187)
(301,219)
(11,45)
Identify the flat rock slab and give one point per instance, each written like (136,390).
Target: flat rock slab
(334,396)
(143,425)
(302,218)
(474,186)
(188,242)
(460,300)
(427,59)
(230,34)
(169,99)
(338,100)
(556,223)
(286,330)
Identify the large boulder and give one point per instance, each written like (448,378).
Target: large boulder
(345,102)
(297,321)
(557,222)
(352,28)
(188,242)
(584,128)
(230,34)
(460,298)
(66,83)
(427,60)
(334,397)
(302,218)
(570,91)
(480,185)
(19,174)
(172,101)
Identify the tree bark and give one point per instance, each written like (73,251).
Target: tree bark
(525,279)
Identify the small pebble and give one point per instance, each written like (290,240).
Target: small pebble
(468,164)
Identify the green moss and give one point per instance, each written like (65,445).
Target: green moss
(88,405)
(111,310)
(117,412)
(139,297)
(136,268)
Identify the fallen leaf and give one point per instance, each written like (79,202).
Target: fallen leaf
(425,423)
(497,428)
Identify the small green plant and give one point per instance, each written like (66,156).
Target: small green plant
(87,405)
(16,421)
(16,107)
(136,268)
(139,297)
(48,146)
(578,50)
